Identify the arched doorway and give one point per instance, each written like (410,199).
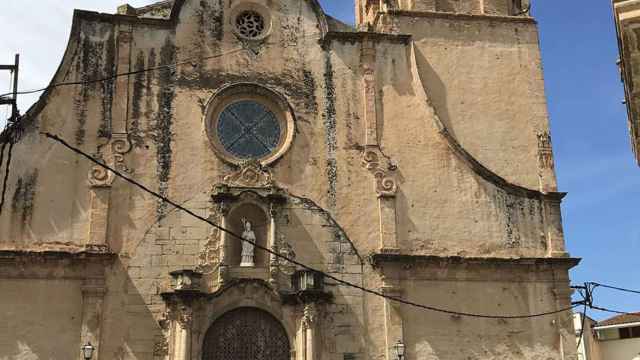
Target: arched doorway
(246,334)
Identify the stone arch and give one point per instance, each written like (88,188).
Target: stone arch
(246,333)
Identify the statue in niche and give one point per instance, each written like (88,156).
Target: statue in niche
(248,249)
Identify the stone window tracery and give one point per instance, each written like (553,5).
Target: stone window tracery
(248,130)
(247,122)
(250,24)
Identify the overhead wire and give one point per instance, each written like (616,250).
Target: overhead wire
(584,316)
(293,261)
(188,61)
(615,288)
(599,308)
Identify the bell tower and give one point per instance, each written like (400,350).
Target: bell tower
(367,11)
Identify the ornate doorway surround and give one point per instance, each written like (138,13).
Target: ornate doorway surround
(246,334)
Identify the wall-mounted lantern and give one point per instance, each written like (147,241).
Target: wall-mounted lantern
(87,351)
(399,349)
(184,280)
(306,280)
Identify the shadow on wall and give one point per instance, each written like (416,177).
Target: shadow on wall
(435,90)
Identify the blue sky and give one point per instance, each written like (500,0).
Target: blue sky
(591,141)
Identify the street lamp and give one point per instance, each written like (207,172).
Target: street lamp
(399,348)
(87,351)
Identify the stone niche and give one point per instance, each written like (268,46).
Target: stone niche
(249,205)
(248,210)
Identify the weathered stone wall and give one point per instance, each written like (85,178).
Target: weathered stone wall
(40,318)
(458,75)
(484,78)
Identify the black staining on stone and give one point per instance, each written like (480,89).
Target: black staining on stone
(211,19)
(309,83)
(135,133)
(161,134)
(151,63)
(108,87)
(292,84)
(331,142)
(23,200)
(95,61)
(210,30)
(217,21)
(88,67)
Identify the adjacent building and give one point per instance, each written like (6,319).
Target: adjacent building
(627,18)
(410,155)
(617,338)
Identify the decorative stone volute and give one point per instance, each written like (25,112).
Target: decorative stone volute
(385,184)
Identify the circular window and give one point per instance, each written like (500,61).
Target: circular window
(249,122)
(250,21)
(248,130)
(250,24)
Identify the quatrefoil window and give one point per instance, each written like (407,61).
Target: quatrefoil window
(248,130)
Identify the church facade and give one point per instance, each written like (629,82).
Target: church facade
(409,155)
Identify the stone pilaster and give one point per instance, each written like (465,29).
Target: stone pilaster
(308,336)
(272,244)
(223,270)
(374,160)
(93,291)
(392,319)
(121,91)
(553,227)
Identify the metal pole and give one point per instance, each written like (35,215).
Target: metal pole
(14,113)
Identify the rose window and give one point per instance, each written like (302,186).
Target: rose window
(248,130)
(250,24)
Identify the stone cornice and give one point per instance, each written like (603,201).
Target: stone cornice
(377,260)
(360,36)
(55,264)
(458,16)
(58,255)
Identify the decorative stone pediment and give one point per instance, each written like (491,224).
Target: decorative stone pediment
(250,174)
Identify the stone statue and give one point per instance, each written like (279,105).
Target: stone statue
(248,249)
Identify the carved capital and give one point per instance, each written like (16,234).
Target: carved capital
(185,317)
(309,316)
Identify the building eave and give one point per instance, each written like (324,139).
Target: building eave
(617,326)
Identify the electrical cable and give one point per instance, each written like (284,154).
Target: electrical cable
(190,61)
(615,288)
(594,307)
(292,261)
(4,145)
(584,316)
